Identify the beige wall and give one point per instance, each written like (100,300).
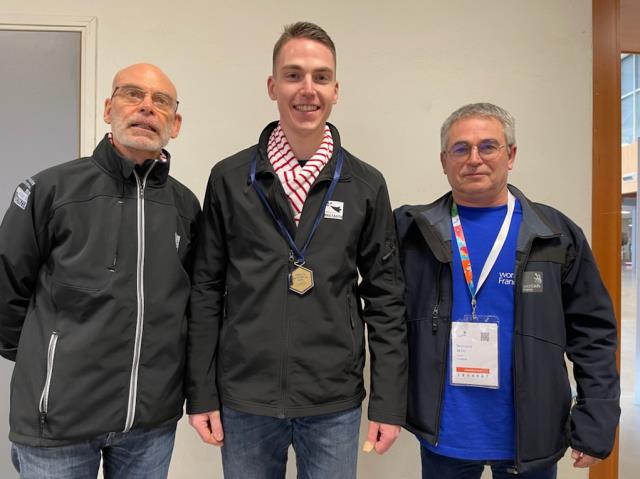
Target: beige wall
(403,66)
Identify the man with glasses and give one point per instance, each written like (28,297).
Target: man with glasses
(95,257)
(499,289)
(276,351)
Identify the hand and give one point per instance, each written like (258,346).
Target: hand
(583,460)
(380,437)
(208,426)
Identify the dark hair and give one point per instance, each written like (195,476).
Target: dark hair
(303,30)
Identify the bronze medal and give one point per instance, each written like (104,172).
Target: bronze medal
(300,280)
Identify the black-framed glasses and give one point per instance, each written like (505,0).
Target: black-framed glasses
(488,150)
(134,96)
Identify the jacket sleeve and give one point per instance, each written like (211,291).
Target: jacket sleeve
(23,248)
(207,305)
(591,346)
(382,289)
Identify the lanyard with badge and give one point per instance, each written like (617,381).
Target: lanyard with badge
(300,279)
(474,339)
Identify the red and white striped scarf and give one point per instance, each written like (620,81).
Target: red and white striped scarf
(296,180)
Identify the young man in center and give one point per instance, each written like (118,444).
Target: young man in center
(276,349)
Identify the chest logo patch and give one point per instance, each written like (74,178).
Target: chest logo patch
(532,282)
(334,210)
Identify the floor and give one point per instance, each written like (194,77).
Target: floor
(630,420)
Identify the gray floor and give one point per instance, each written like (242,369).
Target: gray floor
(630,420)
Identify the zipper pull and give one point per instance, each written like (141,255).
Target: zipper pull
(112,267)
(389,253)
(43,420)
(434,319)
(353,325)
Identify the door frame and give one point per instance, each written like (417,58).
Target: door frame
(87,26)
(614,33)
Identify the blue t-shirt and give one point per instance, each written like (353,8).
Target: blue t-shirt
(479,423)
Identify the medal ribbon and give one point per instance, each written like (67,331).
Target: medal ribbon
(493,254)
(299,253)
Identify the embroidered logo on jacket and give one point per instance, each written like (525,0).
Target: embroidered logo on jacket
(532,282)
(334,210)
(177,241)
(23,191)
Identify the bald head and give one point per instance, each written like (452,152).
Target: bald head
(145,75)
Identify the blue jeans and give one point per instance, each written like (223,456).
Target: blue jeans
(137,454)
(435,466)
(255,447)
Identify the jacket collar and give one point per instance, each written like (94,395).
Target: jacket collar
(434,222)
(116,165)
(264,165)
(534,222)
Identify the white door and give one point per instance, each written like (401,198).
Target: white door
(39,127)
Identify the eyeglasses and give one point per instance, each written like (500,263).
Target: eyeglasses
(134,96)
(488,150)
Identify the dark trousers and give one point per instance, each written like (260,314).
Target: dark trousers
(435,466)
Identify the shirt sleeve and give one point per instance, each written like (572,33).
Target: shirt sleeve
(24,246)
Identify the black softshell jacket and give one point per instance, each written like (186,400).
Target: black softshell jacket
(94,287)
(561,307)
(257,347)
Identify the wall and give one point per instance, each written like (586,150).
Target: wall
(403,66)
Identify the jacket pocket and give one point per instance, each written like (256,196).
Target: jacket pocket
(43,406)
(114,237)
(88,249)
(351,327)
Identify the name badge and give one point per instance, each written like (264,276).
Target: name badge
(474,352)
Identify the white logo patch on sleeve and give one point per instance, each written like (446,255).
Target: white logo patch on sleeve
(334,210)
(177,241)
(23,191)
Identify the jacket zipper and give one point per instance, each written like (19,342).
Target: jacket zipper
(285,350)
(44,397)
(133,381)
(285,353)
(445,353)
(518,285)
(436,309)
(519,273)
